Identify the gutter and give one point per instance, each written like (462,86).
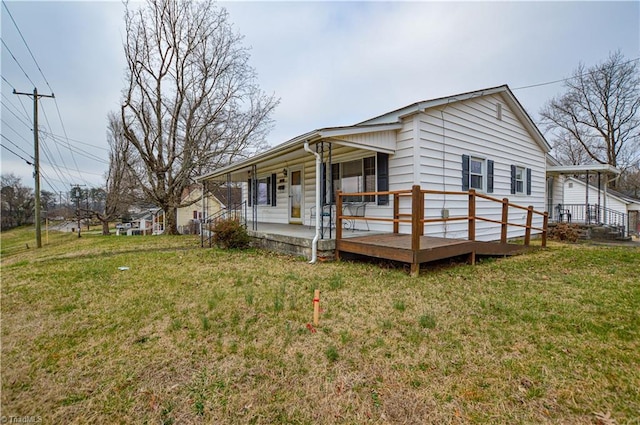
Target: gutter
(314,243)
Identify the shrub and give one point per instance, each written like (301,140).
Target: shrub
(564,232)
(230,234)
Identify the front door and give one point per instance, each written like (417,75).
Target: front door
(295,196)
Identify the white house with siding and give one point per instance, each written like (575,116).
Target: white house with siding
(482,140)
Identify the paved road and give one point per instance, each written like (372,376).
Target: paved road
(66,226)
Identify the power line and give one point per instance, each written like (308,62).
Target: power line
(568,78)
(6,124)
(8,99)
(27,45)
(64,131)
(16,154)
(80,151)
(51,185)
(46,118)
(7,81)
(48,155)
(15,115)
(50,88)
(14,58)
(76,141)
(18,147)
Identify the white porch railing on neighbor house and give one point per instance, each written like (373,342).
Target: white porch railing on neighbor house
(591,214)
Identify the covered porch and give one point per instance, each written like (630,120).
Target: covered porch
(579,194)
(290,190)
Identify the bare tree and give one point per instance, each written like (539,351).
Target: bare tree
(598,116)
(630,181)
(116,197)
(17,200)
(191,102)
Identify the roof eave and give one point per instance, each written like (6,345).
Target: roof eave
(573,169)
(296,143)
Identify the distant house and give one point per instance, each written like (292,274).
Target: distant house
(482,140)
(149,221)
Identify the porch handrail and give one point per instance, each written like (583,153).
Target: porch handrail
(236,211)
(593,214)
(417,220)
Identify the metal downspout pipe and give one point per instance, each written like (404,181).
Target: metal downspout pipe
(314,243)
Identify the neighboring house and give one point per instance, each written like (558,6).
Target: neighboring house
(149,222)
(215,200)
(482,140)
(597,205)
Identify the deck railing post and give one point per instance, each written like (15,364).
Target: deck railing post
(421,211)
(416,223)
(545,223)
(472,215)
(338,222)
(396,213)
(527,233)
(505,220)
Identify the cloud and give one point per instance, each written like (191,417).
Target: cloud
(331,63)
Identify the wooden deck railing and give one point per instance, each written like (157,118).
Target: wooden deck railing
(417,218)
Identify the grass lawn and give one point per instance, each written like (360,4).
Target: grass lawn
(191,335)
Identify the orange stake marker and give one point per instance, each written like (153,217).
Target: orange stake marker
(316,307)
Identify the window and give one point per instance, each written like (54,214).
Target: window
(265,191)
(520,180)
(477,173)
(359,176)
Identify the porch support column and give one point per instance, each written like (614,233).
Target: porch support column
(228,192)
(203,216)
(587,217)
(599,204)
(606,184)
(254,198)
(314,243)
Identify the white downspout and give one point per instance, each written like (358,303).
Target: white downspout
(314,243)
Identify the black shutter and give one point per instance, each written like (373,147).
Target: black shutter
(489,176)
(528,181)
(465,172)
(274,186)
(382,172)
(513,179)
(249,197)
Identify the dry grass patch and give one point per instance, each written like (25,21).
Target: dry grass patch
(190,335)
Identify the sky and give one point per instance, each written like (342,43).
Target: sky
(329,63)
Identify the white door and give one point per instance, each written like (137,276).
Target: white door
(295,196)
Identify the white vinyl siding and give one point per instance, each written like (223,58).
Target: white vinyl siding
(471,127)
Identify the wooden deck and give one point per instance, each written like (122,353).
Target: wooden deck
(397,247)
(416,248)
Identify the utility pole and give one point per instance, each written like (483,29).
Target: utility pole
(76,193)
(36,158)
